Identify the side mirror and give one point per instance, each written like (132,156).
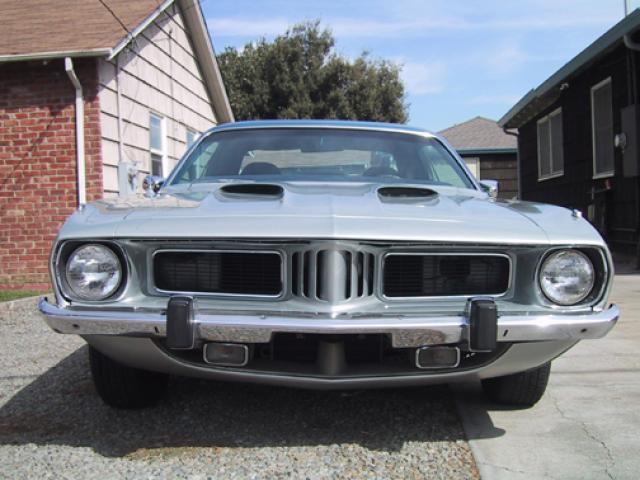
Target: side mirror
(151,184)
(490,187)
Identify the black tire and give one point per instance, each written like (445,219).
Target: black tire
(125,387)
(522,389)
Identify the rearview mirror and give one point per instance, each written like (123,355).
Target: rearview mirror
(490,187)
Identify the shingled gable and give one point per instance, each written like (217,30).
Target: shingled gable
(479,135)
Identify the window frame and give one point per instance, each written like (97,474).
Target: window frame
(162,153)
(547,119)
(611,173)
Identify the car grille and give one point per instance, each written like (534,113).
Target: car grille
(328,272)
(219,272)
(427,275)
(332,275)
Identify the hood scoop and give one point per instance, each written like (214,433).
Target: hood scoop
(406,194)
(262,190)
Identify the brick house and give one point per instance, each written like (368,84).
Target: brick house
(489,152)
(93,96)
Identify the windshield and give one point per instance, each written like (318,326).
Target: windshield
(321,154)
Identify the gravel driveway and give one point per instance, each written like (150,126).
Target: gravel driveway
(52,424)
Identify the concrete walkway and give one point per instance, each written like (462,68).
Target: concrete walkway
(587,426)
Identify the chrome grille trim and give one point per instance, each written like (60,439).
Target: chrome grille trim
(448,254)
(151,269)
(301,260)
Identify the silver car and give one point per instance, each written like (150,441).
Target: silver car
(326,255)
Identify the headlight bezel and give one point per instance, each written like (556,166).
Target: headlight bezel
(601,272)
(68,248)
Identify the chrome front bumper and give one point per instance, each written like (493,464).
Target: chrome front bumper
(404,331)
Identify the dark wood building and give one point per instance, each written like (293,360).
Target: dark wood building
(579,133)
(489,152)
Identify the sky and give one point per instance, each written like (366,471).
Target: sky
(460,58)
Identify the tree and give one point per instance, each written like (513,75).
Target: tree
(299,75)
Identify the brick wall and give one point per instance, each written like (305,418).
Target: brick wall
(38,188)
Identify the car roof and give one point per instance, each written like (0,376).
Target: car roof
(337,124)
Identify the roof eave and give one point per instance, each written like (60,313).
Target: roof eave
(513,111)
(24,57)
(597,48)
(486,151)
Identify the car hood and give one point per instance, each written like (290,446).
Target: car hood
(330,211)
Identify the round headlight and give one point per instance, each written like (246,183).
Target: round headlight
(93,272)
(567,277)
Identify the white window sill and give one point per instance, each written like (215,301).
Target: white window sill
(600,176)
(550,176)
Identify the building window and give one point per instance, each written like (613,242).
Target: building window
(550,146)
(157,144)
(602,129)
(191,137)
(473,164)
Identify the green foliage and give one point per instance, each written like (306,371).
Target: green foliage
(299,75)
(7,295)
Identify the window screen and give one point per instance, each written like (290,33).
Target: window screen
(602,116)
(156,165)
(550,146)
(156,144)
(557,156)
(544,149)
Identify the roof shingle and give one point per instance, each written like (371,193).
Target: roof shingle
(479,133)
(36,27)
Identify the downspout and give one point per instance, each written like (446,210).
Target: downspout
(634,47)
(82,194)
(119,110)
(513,134)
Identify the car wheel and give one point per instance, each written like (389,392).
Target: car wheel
(519,389)
(125,387)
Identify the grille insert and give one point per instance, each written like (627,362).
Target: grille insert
(445,275)
(219,272)
(332,275)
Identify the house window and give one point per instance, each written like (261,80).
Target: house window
(191,137)
(157,145)
(473,164)
(550,146)
(602,129)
